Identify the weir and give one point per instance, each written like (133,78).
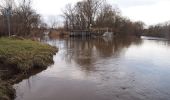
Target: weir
(92,32)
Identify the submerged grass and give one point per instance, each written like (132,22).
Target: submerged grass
(21,56)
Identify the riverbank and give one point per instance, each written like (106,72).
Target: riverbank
(18,58)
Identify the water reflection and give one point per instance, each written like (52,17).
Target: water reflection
(102,69)
(85,51)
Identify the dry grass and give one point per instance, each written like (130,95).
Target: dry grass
(58,34)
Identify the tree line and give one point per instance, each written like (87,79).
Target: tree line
(84,15)
(24,20)
(159,30)
(89,14)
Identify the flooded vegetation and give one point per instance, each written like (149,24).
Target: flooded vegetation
(102,69)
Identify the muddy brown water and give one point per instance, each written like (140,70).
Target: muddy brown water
(102,69)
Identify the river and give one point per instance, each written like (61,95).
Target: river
(102,69)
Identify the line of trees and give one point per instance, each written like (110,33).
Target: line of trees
(87,14)
(23,18)
(159,30)
(84,15)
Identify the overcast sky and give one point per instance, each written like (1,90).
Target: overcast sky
(148,11)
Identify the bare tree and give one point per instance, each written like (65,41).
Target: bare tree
(23,17)
(90,10)
(6,10)
(69,16)
(82,15)
(107,16)
(4,4)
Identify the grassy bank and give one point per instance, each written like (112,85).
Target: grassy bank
(20,57)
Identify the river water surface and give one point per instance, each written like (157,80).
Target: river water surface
(102,69)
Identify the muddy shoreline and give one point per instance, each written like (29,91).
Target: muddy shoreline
(6,84)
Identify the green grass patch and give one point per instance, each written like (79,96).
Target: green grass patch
(21,56)
(24,55)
